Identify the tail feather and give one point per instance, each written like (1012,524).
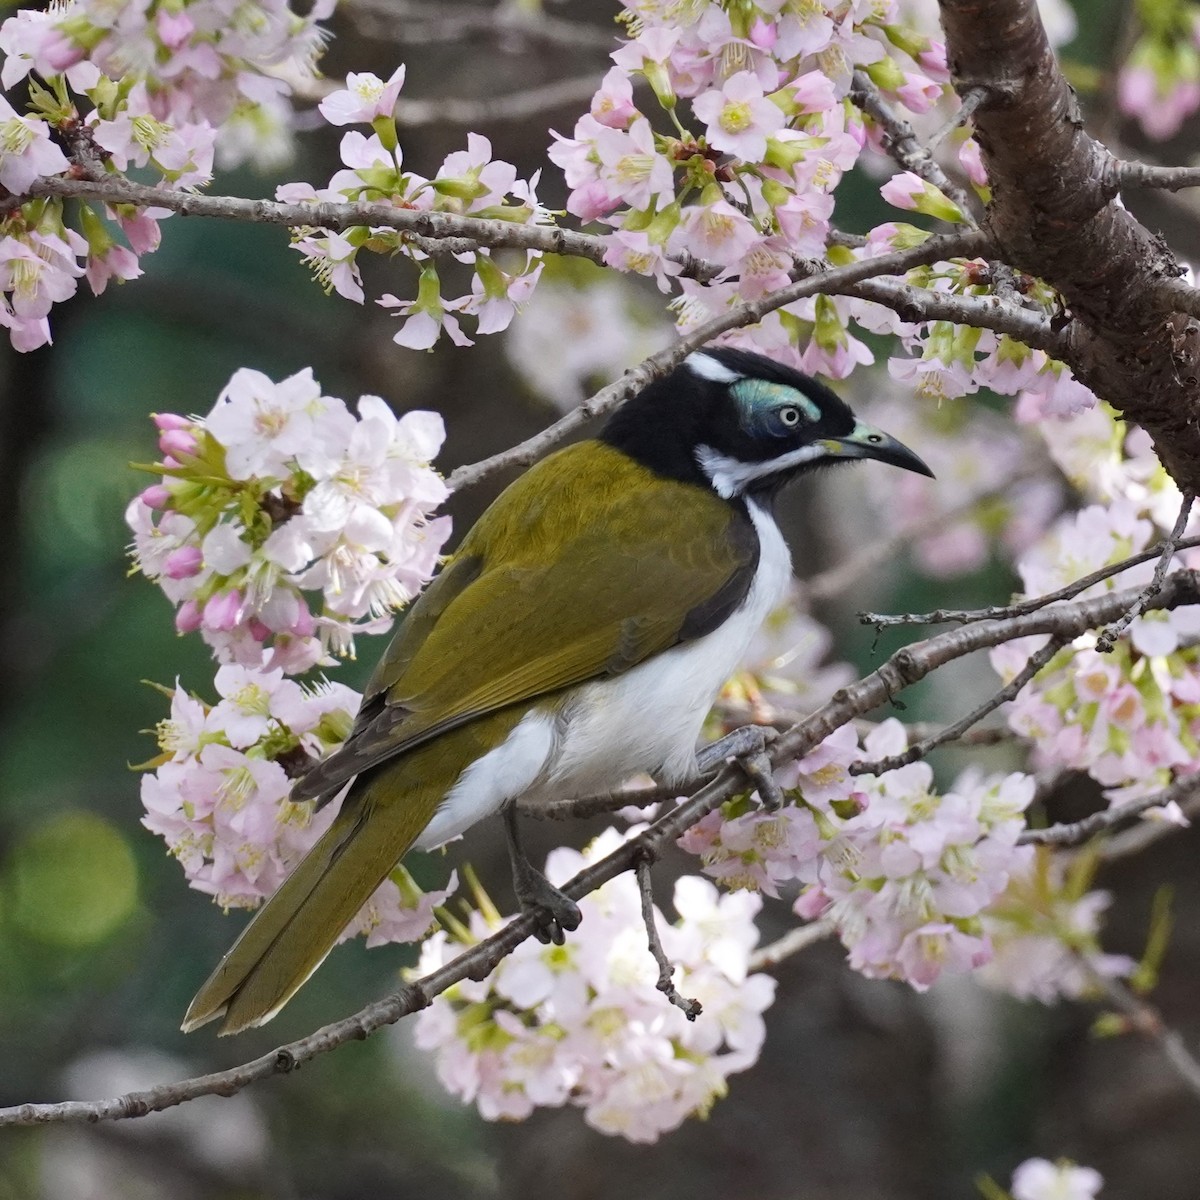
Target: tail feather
(289,937)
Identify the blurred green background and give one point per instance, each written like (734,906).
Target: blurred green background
(865,1090)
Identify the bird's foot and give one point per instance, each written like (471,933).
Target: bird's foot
(747,746)
(554,912)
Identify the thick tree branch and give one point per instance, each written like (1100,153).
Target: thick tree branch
(903,669)
(1053,214)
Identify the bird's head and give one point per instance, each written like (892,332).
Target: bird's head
(745,425)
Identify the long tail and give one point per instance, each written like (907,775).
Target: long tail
(289,937)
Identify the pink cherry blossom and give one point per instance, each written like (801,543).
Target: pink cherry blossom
(364,98)
(738,116)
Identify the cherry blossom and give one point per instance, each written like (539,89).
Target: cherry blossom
(585,1024)
(311,498)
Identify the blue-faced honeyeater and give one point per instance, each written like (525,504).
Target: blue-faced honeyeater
(578,636)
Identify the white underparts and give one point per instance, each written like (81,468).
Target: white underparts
(731,477)
(500,775)
(647,719)
(709,368)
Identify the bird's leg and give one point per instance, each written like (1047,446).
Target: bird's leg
(748,747)
(553,911)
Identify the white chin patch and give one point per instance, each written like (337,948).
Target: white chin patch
(707,367)
(731,477)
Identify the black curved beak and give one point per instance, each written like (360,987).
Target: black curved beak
(868,442)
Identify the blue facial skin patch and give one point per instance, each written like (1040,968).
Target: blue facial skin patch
(759,400)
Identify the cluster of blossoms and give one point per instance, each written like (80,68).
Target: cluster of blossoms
(904,873)
(161,86)
(1129,718)
(172,65)
(584,1023)
(218,794)
(1044,934)
(281,490)
(468,183)
(746,181)
(1159,83)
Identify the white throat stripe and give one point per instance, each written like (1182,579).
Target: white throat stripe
(707,367)
(731,477)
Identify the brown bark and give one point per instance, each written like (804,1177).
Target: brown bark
(1054,214)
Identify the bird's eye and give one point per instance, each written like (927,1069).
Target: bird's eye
(789,415)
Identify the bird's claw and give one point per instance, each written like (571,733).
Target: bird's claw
(747,746)
(554,913)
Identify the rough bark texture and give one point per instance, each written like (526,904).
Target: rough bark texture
(1054,214)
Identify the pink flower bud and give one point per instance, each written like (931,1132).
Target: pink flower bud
(183,563)
(177,442)
(187,619)
(258,630)
(304,625)
(156,496)
(166,421)
(174,28)
(222,611)
(763,34)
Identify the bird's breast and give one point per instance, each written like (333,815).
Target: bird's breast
(650,717)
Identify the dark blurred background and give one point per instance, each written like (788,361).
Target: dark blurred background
(865,1090)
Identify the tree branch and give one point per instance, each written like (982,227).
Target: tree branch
(1121,174)
(1145,1019)
(967,244)
(767,957)
(1107,640)
(666,972)
(942,616)
(1053,214)
(901,142)
(904,668)
(920,749)
(1119,815)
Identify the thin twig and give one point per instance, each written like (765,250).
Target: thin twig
(690,1008)
(1145,1019)
(920,749)
(972,98)
(901,142)
(1077,832)
(792,942)
(966,616)
(1144,834)
(904,668)
(1107,640)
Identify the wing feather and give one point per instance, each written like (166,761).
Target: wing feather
(536,600)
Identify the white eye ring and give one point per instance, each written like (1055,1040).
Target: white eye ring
(790,416)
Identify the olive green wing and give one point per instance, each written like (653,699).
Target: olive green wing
(585,567)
